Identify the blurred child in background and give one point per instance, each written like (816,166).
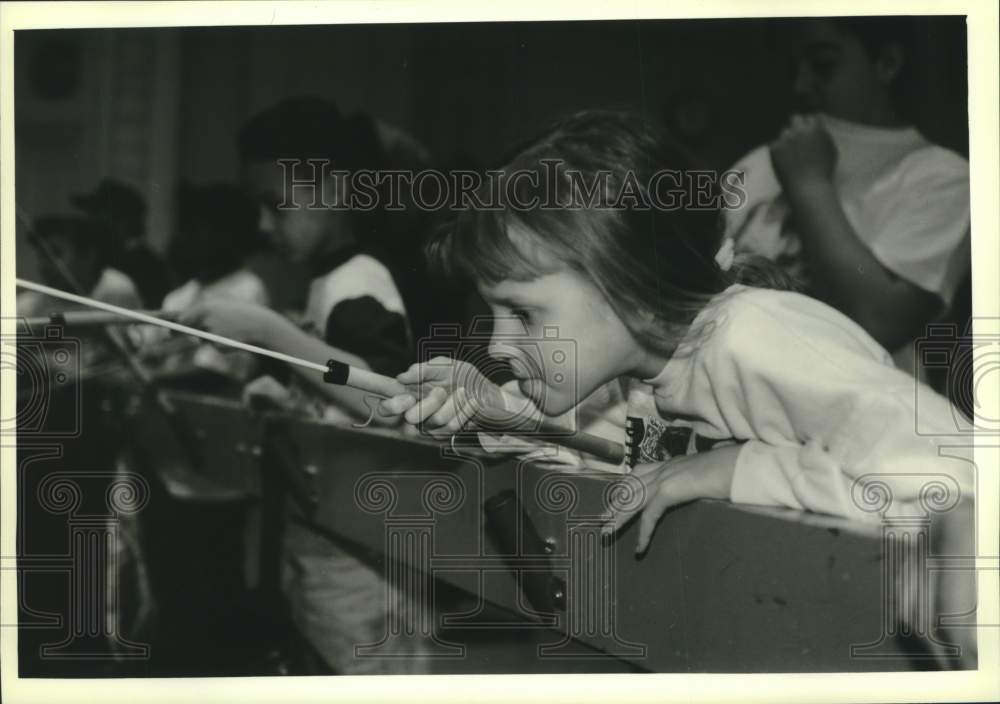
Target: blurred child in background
(851,199)
(74,255)
(354,313)
(118,212)
(219,254)
(216,235)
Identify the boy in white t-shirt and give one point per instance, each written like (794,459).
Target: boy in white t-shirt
(860,207)
(354,313)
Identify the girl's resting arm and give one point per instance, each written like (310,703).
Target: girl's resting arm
(822,408)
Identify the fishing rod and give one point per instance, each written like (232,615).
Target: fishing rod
(339,373)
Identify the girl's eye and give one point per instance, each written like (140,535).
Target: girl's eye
(523,314)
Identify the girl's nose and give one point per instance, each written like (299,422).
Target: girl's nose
(500,348)
(507,331)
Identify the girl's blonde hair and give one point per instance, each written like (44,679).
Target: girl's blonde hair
(656,266)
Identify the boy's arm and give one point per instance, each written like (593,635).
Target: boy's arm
(847,274)
(264,327)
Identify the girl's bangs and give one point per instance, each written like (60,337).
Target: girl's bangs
(478,247)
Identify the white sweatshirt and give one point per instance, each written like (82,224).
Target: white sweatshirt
(817,401)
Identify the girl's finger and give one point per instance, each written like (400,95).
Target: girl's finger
(466,408)
(397,405)
(670,493)
(415,375)
(620,517)
(428,405)
(407,376)
(649,475)
(647,524)
(435,370)
(450,418)
(618,520)
(454,414)
(443,415)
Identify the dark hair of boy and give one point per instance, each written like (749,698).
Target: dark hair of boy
(310,127)
(216,231)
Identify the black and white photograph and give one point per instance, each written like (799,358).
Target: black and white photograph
(342,348)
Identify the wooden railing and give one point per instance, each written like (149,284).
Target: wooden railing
(723,588)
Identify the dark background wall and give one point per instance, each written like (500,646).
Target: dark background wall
(156,106)
(471,89)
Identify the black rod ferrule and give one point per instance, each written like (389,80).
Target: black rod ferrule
(336,372)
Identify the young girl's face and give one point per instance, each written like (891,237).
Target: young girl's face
(562,338)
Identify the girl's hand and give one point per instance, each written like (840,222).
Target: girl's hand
(246,322)
(451,393)
(804,154)
(706,475)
